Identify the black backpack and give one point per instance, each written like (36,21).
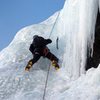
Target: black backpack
(38,41)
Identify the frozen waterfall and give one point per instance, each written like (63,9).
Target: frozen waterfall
(75,28)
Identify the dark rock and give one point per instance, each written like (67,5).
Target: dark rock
(95,59)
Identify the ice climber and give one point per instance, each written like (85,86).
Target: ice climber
(38,48)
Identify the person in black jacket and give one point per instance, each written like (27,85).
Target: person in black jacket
(38,48)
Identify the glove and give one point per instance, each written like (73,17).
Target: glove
(49,40)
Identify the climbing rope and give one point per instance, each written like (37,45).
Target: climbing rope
(46,82)
(54,23)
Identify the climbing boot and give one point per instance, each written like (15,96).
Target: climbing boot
(55,64)
(29,65)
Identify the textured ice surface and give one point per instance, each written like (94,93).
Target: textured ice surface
(75,29)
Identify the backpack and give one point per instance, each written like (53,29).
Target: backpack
(38,41)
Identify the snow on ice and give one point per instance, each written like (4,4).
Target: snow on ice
(75,29)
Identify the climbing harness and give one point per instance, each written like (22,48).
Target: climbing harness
(46,82)
(45,51)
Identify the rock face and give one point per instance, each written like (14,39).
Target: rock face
(95,59)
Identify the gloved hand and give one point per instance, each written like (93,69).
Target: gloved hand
(49,40)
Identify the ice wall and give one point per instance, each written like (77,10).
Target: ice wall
(77,24)
(75,29)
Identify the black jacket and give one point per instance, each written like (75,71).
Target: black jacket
(38,45)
